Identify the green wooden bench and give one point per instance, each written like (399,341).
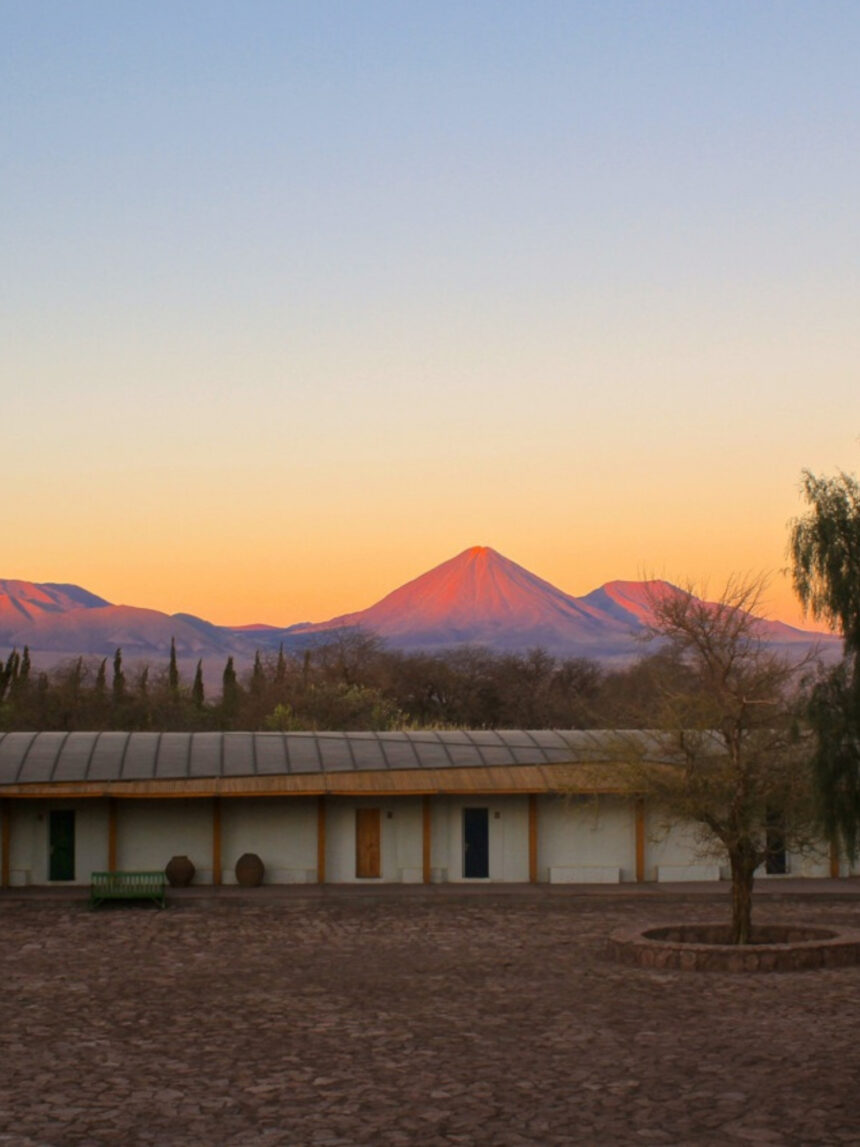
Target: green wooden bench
(127,886)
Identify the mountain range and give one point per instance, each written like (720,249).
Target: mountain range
(478,597)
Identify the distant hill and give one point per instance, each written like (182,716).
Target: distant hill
(59,621)
(478,597)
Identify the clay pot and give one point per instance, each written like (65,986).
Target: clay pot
(179,871)
(249,870)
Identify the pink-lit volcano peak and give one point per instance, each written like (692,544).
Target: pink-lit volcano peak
(479,595)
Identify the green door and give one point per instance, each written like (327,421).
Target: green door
(61,845)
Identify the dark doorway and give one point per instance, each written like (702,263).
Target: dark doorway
(476,842)
(775,861)
(61,845)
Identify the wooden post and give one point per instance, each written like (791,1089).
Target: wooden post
(426,839)
(834,860)
(112,818)
(533,839)
(5,844)
(640,839)
(216,841)
(321,840)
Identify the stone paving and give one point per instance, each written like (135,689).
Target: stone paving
(399,1020)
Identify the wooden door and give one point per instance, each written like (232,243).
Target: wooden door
(367,842)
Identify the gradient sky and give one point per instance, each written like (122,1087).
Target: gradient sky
(298,300)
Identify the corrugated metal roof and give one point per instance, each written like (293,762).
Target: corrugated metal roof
(69,758)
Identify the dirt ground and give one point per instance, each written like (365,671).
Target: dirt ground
(393,1019)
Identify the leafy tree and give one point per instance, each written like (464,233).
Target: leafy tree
(282,720)
(725,752)
(825,552)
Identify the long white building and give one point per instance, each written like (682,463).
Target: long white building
(400,807)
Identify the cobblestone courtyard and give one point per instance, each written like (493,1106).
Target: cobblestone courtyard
(410,1019)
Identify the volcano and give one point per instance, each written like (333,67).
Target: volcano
(481,597)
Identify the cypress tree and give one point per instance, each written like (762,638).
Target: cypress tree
(258,677)
(281,668)
(173,671)
(230,693)
(99,699)
(197,694)
(118,678)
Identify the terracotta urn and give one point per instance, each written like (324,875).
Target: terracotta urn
(249,870)
(179,871)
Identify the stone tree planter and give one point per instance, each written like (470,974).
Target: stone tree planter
(706,948)
(249,870)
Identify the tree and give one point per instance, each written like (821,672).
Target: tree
(230,696)
(173,672)
(9,673)
(197,691)
(118,684)
(726,752)
(825,551)
(24,669)
(258,676)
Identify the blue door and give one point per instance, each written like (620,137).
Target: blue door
(476,842)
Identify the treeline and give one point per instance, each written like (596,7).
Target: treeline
(351,682)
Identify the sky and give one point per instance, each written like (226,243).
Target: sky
(298,300)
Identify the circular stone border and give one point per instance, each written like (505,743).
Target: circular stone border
(704,948)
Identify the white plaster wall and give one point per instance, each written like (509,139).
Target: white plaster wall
(29,840)
(150,832)
(26,831)
(400,845)
(440,824)
(674,845)
(579,833)
(409,840)
(282,832)
(586,832)
(815,862)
